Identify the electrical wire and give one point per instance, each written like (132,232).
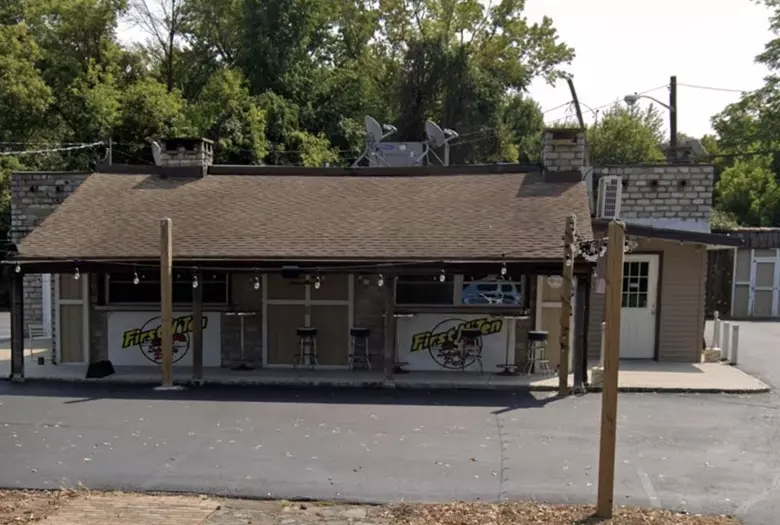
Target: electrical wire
(711,88)
(51,150)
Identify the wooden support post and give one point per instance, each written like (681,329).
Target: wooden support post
(389,329)
(615,245)
(166,301)
(17,327)
(197,331)
(566,294)
(579,341)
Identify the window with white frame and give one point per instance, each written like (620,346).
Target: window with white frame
(428,290)
(121,287)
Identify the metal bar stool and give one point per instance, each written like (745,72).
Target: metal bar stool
(244,364)
(537,353)
(307,347)
(359,355)
(470,348)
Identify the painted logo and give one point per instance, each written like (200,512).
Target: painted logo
(148,338)
(443,342)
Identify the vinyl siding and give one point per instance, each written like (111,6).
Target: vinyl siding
(682,281)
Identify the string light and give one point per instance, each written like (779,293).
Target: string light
(195,281)
(317,283)
(136,279)
(380,282)
(76,274)
(442,276)
(256,282)
(503,270)
(18,269)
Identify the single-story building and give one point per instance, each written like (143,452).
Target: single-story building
(267,259)
(404,261)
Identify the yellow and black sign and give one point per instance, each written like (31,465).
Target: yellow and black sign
(150,333)
(449,332)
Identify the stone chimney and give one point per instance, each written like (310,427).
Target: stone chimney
(563,150)
(184,152)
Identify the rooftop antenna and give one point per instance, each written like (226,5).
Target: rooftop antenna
(437,138)
(374,135)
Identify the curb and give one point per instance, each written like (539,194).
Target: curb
(389,385)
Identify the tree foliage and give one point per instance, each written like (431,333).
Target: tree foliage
(627,135)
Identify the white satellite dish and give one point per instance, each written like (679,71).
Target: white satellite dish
(156,153)
(375,133)
(437,138)
(435,134)
(373,130)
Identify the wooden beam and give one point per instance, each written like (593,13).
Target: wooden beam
(615,245)
(389,331)
(166,301)
(566,293)
(197,331)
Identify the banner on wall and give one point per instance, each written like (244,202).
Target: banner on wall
(431,341)
(134,339)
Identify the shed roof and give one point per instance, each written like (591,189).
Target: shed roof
(313,216)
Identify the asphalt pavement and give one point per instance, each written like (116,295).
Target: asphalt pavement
(701,453)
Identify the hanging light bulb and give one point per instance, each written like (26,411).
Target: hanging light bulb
(567,262)
(195,282)
(76,274)
(503,270)
(136,279)
(442,276)
(317,283)
(256,282)
(18,269)
(380,282)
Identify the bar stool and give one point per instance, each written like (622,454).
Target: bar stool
(537,353)
(470,349)
(359,354)
(307,347)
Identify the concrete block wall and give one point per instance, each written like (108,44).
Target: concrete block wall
(34,196)
(563,149)
(670,196)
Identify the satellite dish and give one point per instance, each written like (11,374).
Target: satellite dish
(373,130)
(435,134)
(156,152)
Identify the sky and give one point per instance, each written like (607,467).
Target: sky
(628,46)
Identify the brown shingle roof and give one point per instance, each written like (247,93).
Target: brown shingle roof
(298,217)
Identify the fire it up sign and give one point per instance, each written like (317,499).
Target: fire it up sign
(134,339)
(431,341)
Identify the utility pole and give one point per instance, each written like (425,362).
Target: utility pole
(615,243)
(673,117)
(566,293)
(166,301)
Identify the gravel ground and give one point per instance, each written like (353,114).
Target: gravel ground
(25,507)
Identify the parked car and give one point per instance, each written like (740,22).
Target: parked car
(492,292)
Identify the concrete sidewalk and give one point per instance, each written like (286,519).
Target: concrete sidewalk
(634,376)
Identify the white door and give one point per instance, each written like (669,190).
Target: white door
(637,316)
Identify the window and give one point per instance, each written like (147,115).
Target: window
(493,291)
(122,290)
(424,290)
(636,276)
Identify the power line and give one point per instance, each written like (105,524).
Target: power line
(51,150)
(712,88)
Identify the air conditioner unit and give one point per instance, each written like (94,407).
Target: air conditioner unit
(609,197)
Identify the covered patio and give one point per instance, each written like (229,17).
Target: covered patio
(296,273)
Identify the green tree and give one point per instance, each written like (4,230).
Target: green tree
(626,135)
(749,192)
(226,113)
